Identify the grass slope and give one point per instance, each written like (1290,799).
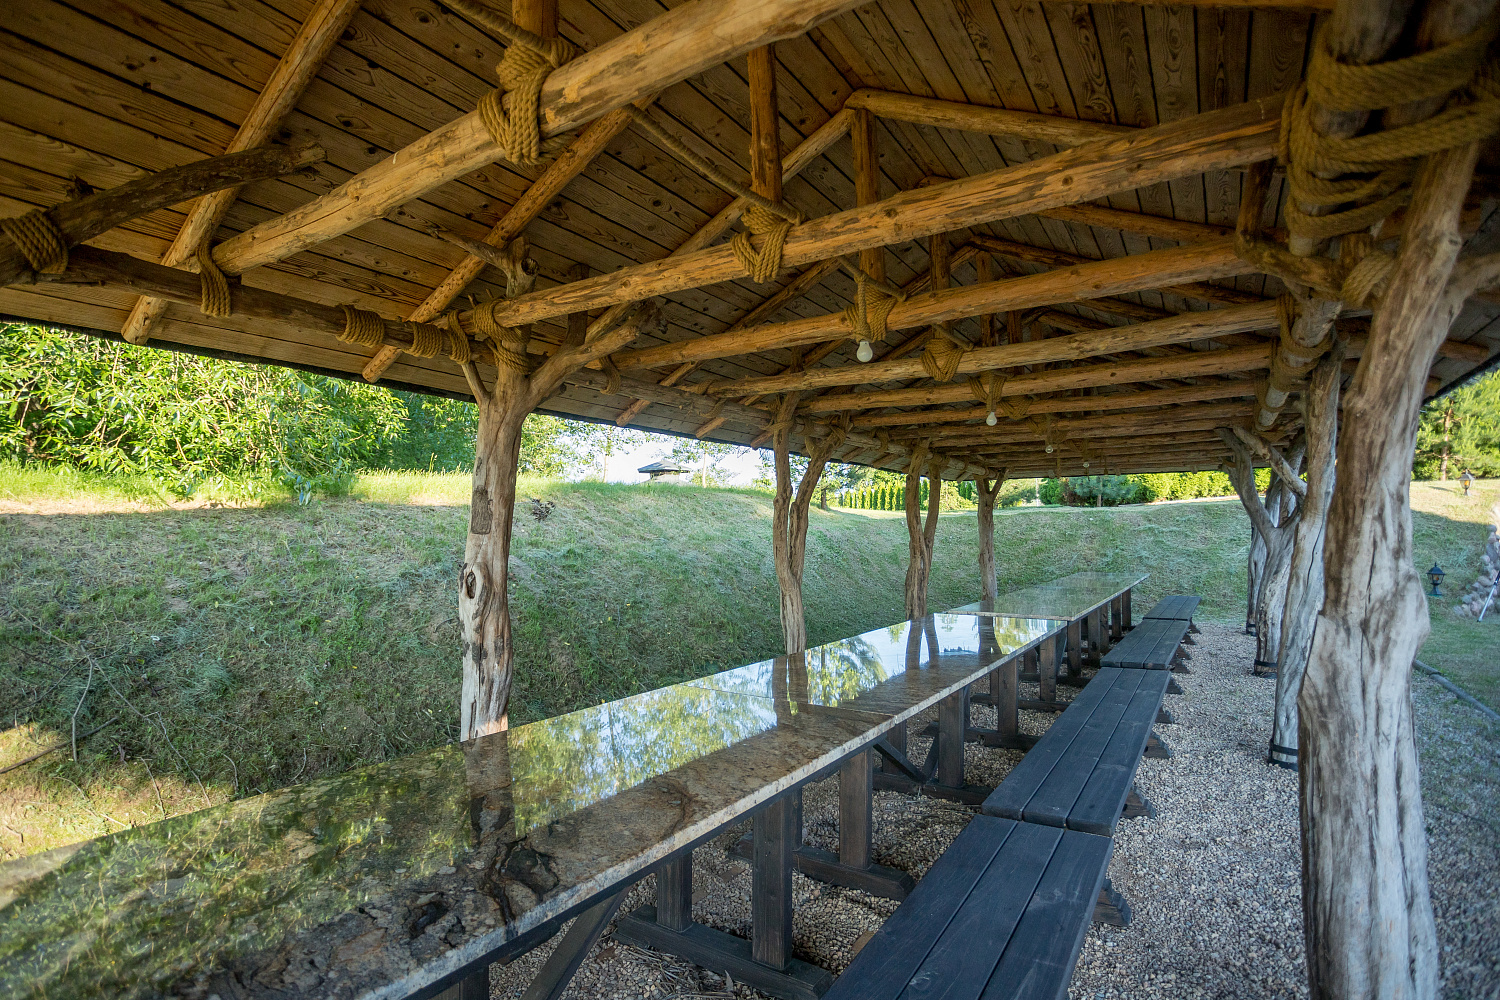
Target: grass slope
(233,650)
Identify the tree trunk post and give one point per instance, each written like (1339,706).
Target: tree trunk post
(986,492)
(1304,591)
(920,537)
(1367,912)
(1253,562)
(790,514)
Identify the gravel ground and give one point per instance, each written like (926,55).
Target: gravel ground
(1213,880)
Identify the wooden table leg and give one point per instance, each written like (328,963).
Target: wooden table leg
(1125,612)
(1116,617)
(951,730)
(1075,648)
(771,892)
(1046,669)
(1096,637)
(674,893)
(856,816)
(1003,697)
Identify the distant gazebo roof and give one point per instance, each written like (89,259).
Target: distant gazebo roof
(665,467)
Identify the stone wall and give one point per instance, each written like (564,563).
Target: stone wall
(1471,603)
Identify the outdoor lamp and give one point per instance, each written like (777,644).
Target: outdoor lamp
(1436,575)
(1466,480)
(865,351)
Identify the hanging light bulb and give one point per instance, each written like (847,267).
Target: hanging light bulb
(1049,449)
(1085,463)
(992,420)
(865,352)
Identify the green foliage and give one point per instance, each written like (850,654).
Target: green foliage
(1464,425)
(704,457)
(1084,491)
(193,425)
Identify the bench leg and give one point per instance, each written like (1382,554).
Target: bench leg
(1111,908)
(1165,717)
(1173,687)
(1156,748)
(475,986)
(1136,805)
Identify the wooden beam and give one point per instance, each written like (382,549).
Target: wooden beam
(1067,404)
(84,218)
(1181,419)
(977,118)
(1181,329)
(1102,278)
(866,183)
(1211,141)
(1059,258)
(671,47)
(301,61)
(1181,231)
(1196,363)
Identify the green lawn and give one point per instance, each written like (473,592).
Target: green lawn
(235,649)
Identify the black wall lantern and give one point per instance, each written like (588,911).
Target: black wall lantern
(1436,575)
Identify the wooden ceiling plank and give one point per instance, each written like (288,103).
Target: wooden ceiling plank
(1068,404)
(678,44)
(297,66)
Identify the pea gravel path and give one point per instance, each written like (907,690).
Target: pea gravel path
(1213,880)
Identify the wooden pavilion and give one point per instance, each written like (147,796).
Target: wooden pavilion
(957,238)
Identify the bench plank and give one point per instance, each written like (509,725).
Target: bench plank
(1038,961)
(1053,801)
(1151,645)
(964,958)
(1009,800)
(1102,800)
(1180,606)
(889,960)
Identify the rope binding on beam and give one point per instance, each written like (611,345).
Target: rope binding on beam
(1384,161)
(39,240)
(507,342)
(515,125)
(215,299)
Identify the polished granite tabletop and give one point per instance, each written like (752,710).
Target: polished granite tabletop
(1065,598)
(381,880)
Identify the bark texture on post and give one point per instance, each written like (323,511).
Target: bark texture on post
(483,602)
(1367,913)
(789,519)
(1273,522)
(920,537)
(986,492)
(1253,563)
(1304,589)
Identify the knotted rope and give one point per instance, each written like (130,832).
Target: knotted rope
(988,389)
(1386,160)
(612,375)
(1292,362)
(362,327)
(522,70)
(215,299)
(427,341)
(39,240)
(762,265)
(507,342)
(943,354)
(884,438)
(1368,269)
(872,307)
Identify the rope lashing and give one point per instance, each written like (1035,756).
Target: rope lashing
(362,327)
(867,316)
(523,69)
(884,438)
(39,240)
(942,356)
(1293,362)
(507,342)
(1368,269)
(988,389)
(215,300)
(763,264)
(612,374)
(1386,160)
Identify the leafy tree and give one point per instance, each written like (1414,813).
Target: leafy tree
(1461,429)
(706,456)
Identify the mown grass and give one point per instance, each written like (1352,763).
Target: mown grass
(237,649)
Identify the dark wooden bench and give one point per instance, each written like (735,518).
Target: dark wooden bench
(1081,773)
(1151,645)
(1000,916)
(1181,606)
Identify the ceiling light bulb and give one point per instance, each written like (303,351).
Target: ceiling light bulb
(991,419)
(1049,449)
(1085,465)
(865,352)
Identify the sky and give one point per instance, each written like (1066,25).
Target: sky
(741,467)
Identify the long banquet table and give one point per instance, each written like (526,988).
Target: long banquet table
(403,878)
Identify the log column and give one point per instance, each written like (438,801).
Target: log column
(920,536)
(986,492)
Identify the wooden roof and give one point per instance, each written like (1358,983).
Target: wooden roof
(103,91)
